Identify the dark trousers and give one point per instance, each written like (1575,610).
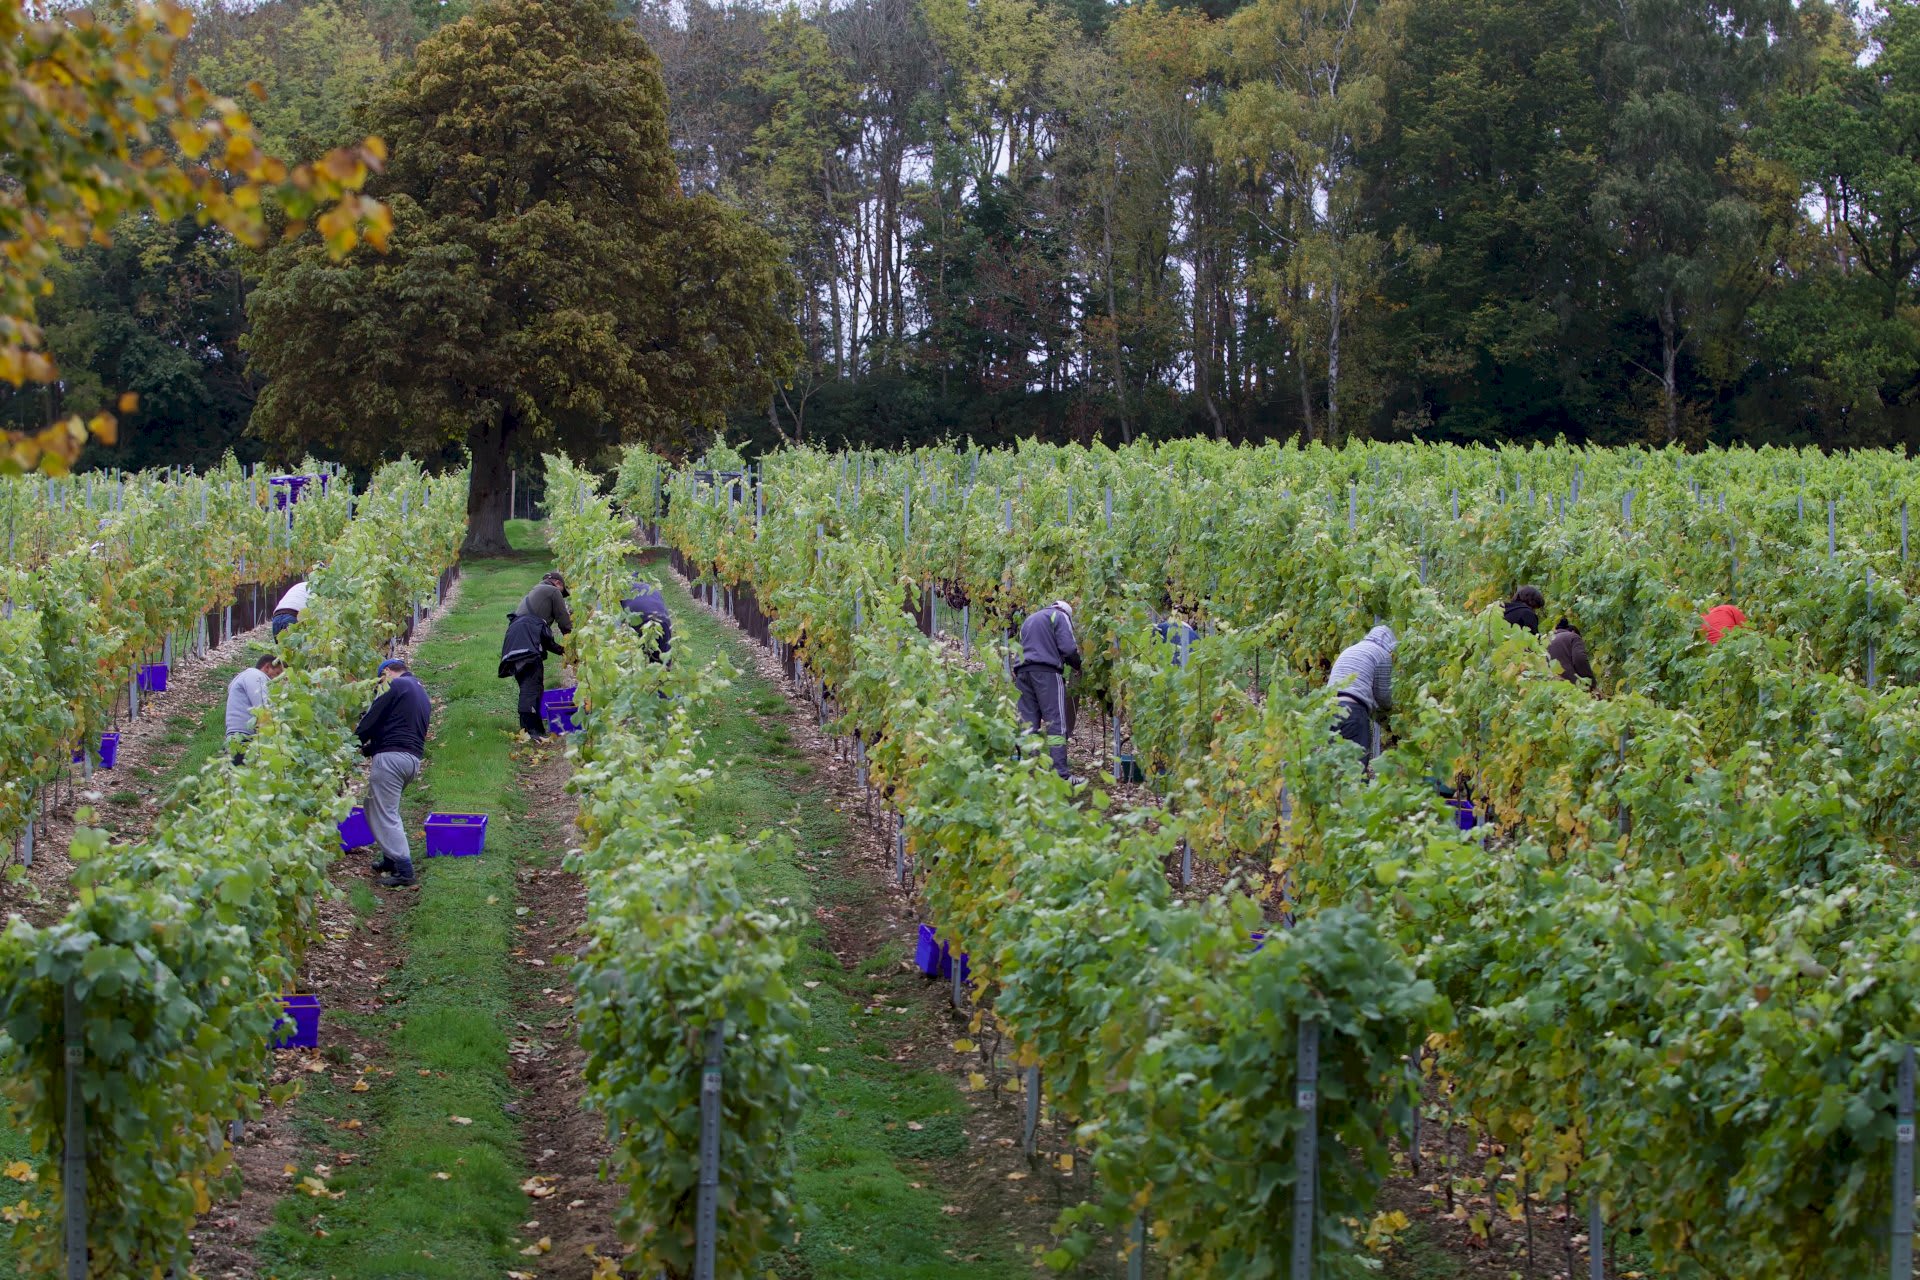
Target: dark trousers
(533,682)
(1043,708)
(1356,726)
(281,621)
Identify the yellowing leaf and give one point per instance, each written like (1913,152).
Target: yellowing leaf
(20,1171)
(543,1245)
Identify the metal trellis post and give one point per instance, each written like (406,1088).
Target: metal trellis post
(1903,1171)
(707,1208)
(1306,1148)
(73,1160)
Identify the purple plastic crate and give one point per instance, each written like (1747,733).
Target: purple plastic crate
(935,958)
(286,489)
(108,753)
(455,835)
(1463,813)
(302,1014)
(556,709)
(356,832)
(153,678)
(927,953)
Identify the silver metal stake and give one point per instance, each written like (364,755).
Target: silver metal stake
(73,1160)
(707,1207)
(1031,1138)
(1903,1171)
(1306,1149)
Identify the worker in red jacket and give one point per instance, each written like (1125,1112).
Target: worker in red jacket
(1721,619)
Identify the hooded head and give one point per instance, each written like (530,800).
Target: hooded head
(1063,607)
(1384,637)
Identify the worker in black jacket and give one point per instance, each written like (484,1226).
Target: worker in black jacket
(644,604)
(393,733)
(523,656)
(1524,609)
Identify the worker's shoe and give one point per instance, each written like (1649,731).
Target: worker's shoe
(381,863)
(391,881)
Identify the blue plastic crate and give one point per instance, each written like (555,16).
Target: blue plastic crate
(1463,813)
(356,832)
(926,952)
(153,678)
(557,710)
(300,1027)
(456,835)
(108,753)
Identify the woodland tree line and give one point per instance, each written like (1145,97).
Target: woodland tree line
(1613,220)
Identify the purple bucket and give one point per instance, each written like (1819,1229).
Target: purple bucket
(108,753)
(356,832)
(927,953)
(153,678)
(1463,813)
(286,489)
(556,710)
(455,835)
(300,1027)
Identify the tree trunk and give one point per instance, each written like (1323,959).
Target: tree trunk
(487,489)
(1669,361)
(1333,361)
(1113,322)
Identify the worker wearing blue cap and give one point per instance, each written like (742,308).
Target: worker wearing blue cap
(393,733)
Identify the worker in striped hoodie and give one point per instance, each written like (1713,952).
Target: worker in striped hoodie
(1047,648)
(1362,679)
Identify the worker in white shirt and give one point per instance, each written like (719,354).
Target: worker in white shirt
(246,695)
(287,612)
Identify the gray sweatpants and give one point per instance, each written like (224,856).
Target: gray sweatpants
(391,772)
(1043,708)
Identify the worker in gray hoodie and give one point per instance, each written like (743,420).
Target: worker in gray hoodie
(1047,648)
(548,601)
(1362,677)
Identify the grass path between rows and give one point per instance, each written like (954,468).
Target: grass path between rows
(427,1194)
(875,1142)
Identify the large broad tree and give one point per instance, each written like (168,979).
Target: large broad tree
(546,282)
(1850,316)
